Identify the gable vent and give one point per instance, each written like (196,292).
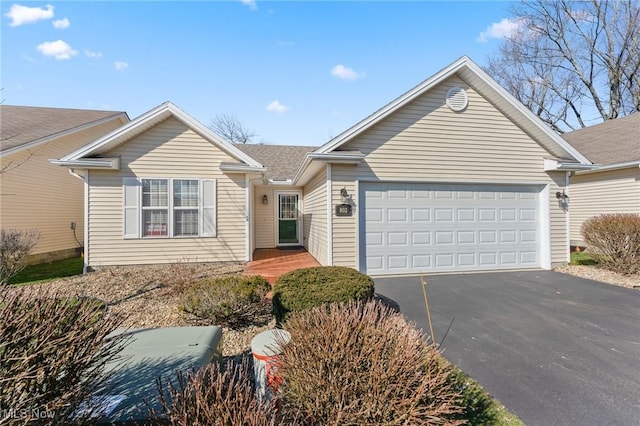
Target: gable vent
(456,99)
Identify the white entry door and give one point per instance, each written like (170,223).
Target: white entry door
(413,228)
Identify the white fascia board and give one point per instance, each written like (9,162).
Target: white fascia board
(122,116)
(617,166)
(90,163)
(331,157)
(551,165)
(158,113)
(392,106)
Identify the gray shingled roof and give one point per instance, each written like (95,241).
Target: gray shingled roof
(282,161)
(612,142)
(20,125)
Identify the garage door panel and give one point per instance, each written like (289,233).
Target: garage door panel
(413,228)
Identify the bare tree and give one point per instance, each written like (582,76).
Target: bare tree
(571,57)
(231,128)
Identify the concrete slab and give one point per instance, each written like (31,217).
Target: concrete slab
(553,348)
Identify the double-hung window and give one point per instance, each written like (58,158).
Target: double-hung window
(163,207)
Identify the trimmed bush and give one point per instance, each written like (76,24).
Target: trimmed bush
(52,354)
(214,396)
(361,363)
(614,239)
(233,300)
(306,288)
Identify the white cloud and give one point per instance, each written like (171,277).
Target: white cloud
(251,3)
(57,49)
(121,66)
(20,15)
(61,24)
(90,54)
(276,106)
(505,28)
(286,43)
(345,73)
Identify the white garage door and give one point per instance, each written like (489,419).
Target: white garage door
(412,228)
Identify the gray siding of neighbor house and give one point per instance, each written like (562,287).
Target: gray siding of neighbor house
(427,142)
(592,194)
(39,195)
(168,150)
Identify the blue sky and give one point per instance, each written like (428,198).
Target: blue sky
(293,72)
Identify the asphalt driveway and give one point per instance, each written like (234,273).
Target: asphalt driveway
(553,348)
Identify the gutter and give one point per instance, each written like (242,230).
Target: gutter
(617,166)
(331,158)
(551,165)
(90,163)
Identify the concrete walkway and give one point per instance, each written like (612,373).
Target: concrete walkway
(554,349)
(271,263)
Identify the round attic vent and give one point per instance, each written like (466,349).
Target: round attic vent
(456,99)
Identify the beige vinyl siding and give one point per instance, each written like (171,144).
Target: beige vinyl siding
(39,195)
(426,141)
(264,218)
(315,217)
(168,150)
(592,194)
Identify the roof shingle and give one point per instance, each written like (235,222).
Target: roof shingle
(282,161)
(612,142)
(20,125)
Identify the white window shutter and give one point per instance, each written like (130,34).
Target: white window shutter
(131,207)
(208,197)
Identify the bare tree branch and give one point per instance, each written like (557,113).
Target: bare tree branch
(570,57)
(231,128)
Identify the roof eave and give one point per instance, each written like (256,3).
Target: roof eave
(90,163)
(157,114)
(610,167)
(306,170)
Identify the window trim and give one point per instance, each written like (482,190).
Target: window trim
(170,208)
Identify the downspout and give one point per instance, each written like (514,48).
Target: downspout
(567,177)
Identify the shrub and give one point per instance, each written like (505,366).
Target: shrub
(614,239)
(214,396)
(15,246)
(361,363)
(307,288)
(52,353)
(233,300)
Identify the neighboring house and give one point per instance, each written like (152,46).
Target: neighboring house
(35,194)
(614,186)
(454,175)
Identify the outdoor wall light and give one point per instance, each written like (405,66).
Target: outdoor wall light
(563,197)
(265,199)
(344,194)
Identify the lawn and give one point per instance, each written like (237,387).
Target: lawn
(48,271)
(582,258)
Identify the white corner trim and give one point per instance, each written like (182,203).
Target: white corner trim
(329,217)
(86,223)
(545,228)
(247,217)
(566,189)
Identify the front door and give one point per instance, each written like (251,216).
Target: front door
(288,219)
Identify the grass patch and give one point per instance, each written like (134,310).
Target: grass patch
(49,271)
(582,258)
(480,407)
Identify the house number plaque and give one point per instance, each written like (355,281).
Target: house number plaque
(344,210)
